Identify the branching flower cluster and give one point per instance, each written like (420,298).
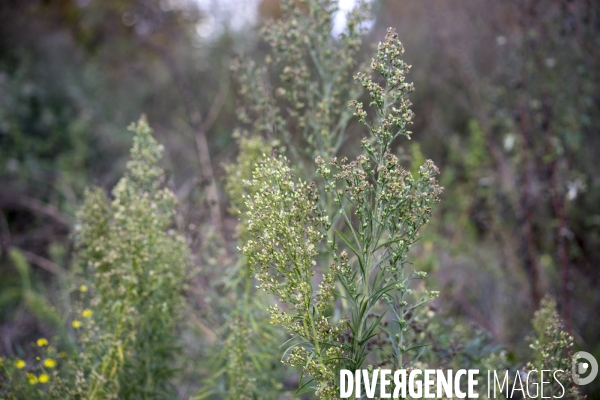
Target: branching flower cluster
(316,70)
(127,296)
(134,267)
(383,207)
(303,109)
(380,208)
(286,225)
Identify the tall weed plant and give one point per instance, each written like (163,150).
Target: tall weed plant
(127,298)
(380,208)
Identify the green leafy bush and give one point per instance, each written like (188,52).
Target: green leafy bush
(128,298)
(380,206)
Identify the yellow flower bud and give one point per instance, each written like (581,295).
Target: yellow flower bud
(49,363)
(32,379)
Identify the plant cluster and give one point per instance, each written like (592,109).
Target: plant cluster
(34,379)
(553,350)
(380,209)
(297,100)
(328,274)
(128,296)
(300,113)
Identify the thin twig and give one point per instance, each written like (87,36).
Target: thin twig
(42,262)
(200,130)
(37,206)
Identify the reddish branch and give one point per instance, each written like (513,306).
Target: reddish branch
(36,206)
(526,209)
(558,203)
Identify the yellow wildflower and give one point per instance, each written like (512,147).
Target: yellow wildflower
(31,378)
(41,342)
(49,363)
(1,361)
(20,363)
(87,313)
(37,358)
(83,288)
(62,354)
(44,378)
(76,324)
